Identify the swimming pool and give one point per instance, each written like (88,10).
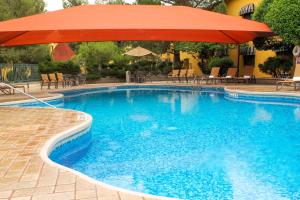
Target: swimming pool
(186,143)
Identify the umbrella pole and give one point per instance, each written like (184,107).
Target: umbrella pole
(238,59)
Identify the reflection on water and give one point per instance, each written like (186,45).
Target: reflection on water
(261,115)
(297,113)
(169,99)
(214,97)
(188,101)
(140,118)
(245,184)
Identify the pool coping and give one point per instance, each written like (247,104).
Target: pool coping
(56,96)
(286,94)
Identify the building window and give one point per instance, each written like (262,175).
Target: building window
(247,11)
(247,51)
(248,55)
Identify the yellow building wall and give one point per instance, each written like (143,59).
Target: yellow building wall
(193,60)
(233,8)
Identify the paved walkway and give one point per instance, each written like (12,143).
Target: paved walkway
(24,175)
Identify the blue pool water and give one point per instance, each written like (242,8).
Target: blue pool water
(187,145)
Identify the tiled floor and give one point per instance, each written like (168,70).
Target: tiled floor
(24,175)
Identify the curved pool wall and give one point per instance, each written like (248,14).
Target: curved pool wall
(85,136)
(262,97)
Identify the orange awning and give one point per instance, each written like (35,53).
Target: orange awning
(129,22)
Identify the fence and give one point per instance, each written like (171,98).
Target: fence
(16,73)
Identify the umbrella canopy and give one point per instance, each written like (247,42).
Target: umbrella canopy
(140,52)
(129,22)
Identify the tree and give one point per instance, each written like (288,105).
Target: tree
(267,43)
(206,4)
(148,2)
(10,9)
(283,18)
(224,63)
(96,54)
(276,66)
(71,3)
(117,2)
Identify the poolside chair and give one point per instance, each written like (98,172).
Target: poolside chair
(60,79)
(8,90)
(182,74)
(230,76)
(290,82)
(5,90)
(214,75)
(173,75)
(53,79)
(45,81)
(82,79)
(248,75)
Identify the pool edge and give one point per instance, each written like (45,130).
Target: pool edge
(49,146)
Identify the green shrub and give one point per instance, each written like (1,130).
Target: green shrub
(283,18)
(92,76)
(10,76)
(165,67)
(276,66)
(224,63)
(68,67)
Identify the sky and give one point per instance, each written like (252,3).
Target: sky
(57,4)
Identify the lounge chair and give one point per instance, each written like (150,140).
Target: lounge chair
(230,76)
(214,75)
(53,79)
(248,75)
(290,82)
(5,89)
(174,75)
(45,81)
(182,74)
(8,90)
(60,79)
(82,79)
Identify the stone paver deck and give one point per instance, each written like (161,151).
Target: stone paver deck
(23,173)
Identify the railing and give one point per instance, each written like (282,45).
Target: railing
(19,72)
(26,94)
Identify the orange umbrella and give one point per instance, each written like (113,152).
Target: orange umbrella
(129,22)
